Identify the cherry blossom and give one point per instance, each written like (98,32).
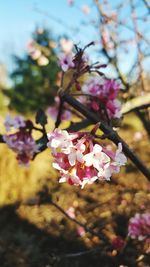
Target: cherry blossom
(139,226)
(66,61)
(70,2)
(66,45)
(80,160)
(16,122)
(52,111)
(61,139)
(71,212)
(86,9)
(23,144)
(120,157)
(42,61)
(34,52)
(103,94)
(81,231)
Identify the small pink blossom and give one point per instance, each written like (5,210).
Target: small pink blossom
(139,226)
(80,161)
(93,86)
(23,144)
(61,139)
(114,108)
(99,160)
(137,136)
(52,111)
(43,61)
(70,2)
(34,52)
(16,122)
(105,35)
(71,212)
(104,93)
(120,157)
(66,61)
(86,9)
(81,231)
(66,45)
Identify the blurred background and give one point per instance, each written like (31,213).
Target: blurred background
(33,34)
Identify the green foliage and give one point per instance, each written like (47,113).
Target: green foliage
(34,84)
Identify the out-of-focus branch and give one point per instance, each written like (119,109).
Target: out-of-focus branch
(111,18)
(137,103)
(143,119)
(141,116)
(147,4)
(46,199)
(86,228)
(137,38)
(138,108)
(112,60)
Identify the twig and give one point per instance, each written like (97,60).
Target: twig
(60,110)
(81,253)
(86,228)
(47,200)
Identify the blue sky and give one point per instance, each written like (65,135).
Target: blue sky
(19,18)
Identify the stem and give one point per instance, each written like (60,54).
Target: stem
(58,121)
(112,135)
(144,121)
(48,200)
(81,253)
(86,228)
(38,129)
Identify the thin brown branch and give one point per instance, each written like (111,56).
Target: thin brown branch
(47,200)
(86,228)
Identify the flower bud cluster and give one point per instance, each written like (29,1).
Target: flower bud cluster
(21,142)
(80,160)
(104,95)
(139,226)
(101,93)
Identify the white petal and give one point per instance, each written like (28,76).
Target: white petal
(119,148)
(56,166)
(72,158)
(55,143)
(64,67)
(80,157)
(97,148)
(62,180)
(88,159)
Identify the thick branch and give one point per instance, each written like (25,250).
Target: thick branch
(112,135)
